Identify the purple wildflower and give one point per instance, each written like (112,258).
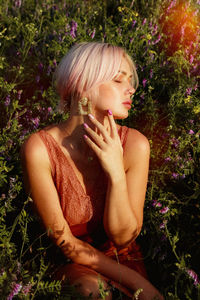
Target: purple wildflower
(152,56)
(157,40)
(119,31)
(164,210)
(178,157)
(175,175)
(188,91)
(18,3)
(7,101)
(16,289)
(55,7)
(73,30)
(155,29)
(151,73)
(171,5)
(155,203)
(142,96)
(2,271)
(191,132)
(163,224)
(187,51)
(182,31)
(168,159)
(40,67)
(194,276)
(93,33)
(54,62)
(144,81)
(133,24)
(175,142)
(36,121)
(189,155)
(26,289)
(49,109)
(198,2)
(144,21)
(191,59)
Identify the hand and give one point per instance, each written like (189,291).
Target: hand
(107,146)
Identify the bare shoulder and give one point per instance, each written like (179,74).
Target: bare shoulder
(137,147)
(33,149)
(34,159)
(137,140)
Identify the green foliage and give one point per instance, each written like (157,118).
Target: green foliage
(34,35)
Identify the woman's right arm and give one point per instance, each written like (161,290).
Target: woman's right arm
(39,183)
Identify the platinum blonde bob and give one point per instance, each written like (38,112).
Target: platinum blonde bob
(87,64)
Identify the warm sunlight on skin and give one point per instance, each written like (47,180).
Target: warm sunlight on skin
(99,180)
(116,94)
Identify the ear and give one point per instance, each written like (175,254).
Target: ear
(92,93)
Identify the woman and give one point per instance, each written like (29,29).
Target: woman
(87,175)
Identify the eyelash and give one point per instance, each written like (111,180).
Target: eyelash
(118,81)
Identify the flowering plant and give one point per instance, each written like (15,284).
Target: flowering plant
(34,37)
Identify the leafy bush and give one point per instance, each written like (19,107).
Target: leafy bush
(163,39)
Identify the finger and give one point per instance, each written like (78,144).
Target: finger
(95,136)
(91,144)
(101,128)
(113,125)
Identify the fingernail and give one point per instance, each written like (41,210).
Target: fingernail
(85,136)
(109,112)
(91,116)
(85,125)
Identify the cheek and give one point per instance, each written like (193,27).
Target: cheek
(108,93)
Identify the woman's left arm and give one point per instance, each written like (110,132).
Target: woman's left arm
(123,216)
(127,180)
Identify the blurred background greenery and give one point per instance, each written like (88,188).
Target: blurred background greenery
(163,38)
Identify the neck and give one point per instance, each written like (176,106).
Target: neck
(73,128)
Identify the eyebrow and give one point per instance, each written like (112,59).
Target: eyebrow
(124,73)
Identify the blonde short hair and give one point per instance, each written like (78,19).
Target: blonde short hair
(87,64)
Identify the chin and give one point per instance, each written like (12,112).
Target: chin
(120,116)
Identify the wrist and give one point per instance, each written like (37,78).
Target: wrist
(117,177)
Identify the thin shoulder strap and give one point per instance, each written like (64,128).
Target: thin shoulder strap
(51,150)
(123,135)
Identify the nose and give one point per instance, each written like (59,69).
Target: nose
(131,90)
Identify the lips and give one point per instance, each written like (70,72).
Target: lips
(127,103)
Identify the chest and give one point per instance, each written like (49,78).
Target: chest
(89,173)
(86,170)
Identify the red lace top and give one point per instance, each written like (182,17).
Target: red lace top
(83,211)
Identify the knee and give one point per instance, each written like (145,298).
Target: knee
(89,285)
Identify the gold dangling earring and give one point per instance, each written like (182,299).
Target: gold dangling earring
(83,103)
